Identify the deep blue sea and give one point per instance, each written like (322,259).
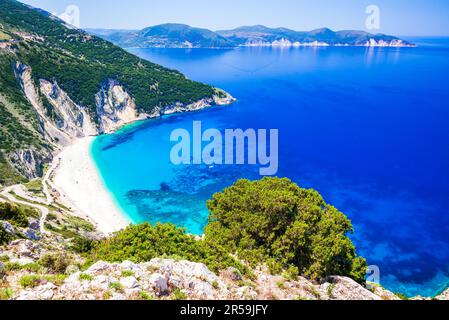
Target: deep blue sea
(366,127)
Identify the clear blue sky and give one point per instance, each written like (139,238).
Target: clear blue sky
(398,17)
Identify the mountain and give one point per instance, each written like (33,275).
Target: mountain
(58,83)
(167,35)
(183,36)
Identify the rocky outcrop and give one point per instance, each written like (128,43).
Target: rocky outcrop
(444,295)
(115,107)
(69,117)
(63,120)
(220,98)
(51,133)
(169,279)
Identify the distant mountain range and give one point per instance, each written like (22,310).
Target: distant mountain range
(183,36)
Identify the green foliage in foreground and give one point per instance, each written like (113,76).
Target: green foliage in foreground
(275,221)
(141,243)
(270,221)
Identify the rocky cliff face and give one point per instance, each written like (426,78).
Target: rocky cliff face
(115,107)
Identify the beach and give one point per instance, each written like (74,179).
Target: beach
(81,187)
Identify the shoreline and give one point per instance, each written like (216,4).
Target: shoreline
(80,186)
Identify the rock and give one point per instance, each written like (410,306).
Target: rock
(128,265)
(43,292)
(159,283)
(101,282)
(8,227)
(72,269)
(118,297)
(203,289)
(383,293)
(98,268)
(31,234)
(34,224)
(129,283)
(443,296)
(347,289)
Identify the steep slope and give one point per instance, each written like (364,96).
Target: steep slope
(59,83)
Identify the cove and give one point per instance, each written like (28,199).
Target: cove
(366,127)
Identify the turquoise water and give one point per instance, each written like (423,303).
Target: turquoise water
(365,127)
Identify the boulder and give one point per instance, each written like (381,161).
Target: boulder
(159,283)
(99,268)
(8,227)
(129,283)
(233,274)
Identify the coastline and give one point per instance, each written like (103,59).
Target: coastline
(80,186)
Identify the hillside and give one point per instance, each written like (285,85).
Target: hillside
(59,83)
(183,36)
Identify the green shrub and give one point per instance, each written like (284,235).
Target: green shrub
(141,243)
(145,295)
(55,263)
(116,286)
(127,273)
(177,294)
(5,293)
(5,237)
(30,281)
(81,245)
(286,225)
(85,277)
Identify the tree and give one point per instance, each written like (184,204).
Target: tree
(275,221)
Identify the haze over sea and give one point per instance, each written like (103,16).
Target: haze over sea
(366,127)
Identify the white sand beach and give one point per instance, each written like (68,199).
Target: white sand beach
(81,187)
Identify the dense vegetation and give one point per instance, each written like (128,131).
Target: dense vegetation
(276,221)
(80,63)
(141,243)
(270,221)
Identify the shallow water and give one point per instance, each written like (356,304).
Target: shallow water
(365,127)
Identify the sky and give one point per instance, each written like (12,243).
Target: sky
(396,17)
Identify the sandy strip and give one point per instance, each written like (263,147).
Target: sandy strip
(79,183)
